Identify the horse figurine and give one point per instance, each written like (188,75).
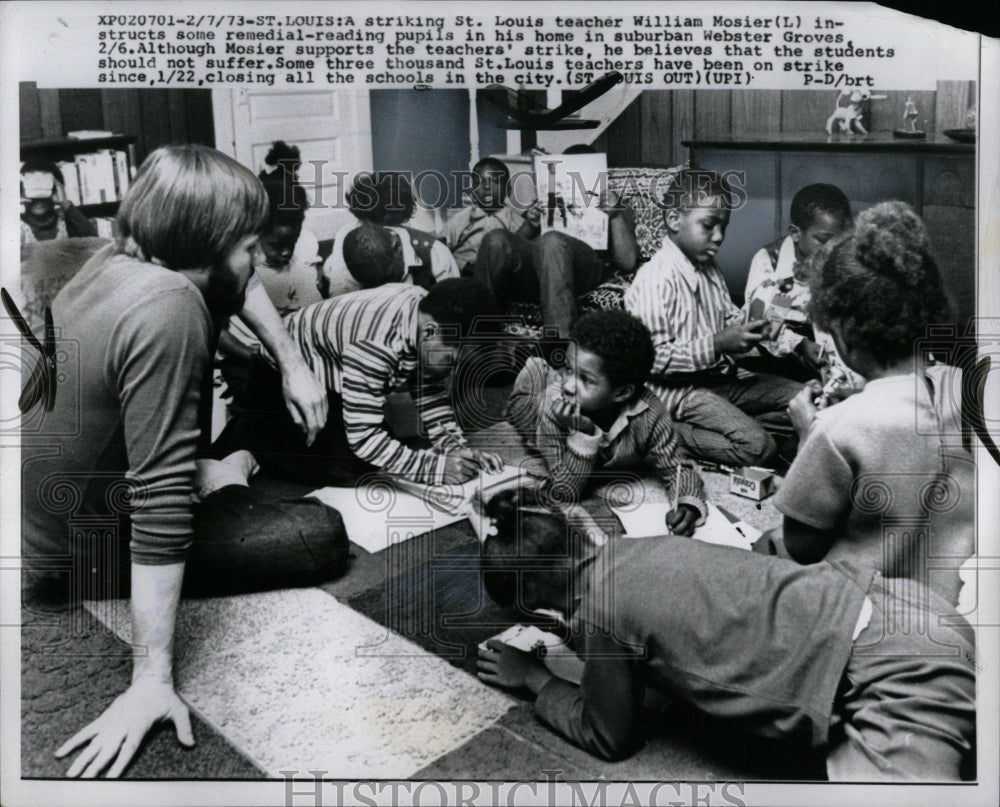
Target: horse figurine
(848,115)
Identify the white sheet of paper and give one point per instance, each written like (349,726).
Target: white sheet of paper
(380,514)
(649,518)
(569,178)
(376,518)
(561,660)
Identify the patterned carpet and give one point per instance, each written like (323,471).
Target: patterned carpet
(372,674)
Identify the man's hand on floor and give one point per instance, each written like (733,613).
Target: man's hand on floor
(114,737)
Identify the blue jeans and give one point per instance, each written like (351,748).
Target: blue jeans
(260,424)
(245,539)
(731,420)
(553,270)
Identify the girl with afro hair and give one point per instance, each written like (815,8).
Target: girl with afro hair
(882,478)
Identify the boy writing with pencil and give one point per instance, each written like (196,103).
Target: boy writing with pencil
(597,413)
(362,346)
(719,413)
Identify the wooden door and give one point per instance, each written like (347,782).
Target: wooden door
(331,128)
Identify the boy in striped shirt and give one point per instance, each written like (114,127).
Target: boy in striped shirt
(597,413)
(362,346)
(719,412)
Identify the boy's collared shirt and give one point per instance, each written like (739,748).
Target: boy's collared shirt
(641,434)
(684,306)
(765,280)
(464,231)
(761,270)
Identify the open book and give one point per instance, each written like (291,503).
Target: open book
(458,499)
(377,517)
(568,187)
(557,656)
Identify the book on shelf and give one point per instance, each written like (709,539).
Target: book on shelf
(90,182)
(101,176)
(105,162)
(104,226)
(71,180)
(122,176)
(89,134)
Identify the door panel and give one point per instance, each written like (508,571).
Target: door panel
(331,128)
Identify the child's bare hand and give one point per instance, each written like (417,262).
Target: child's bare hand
(459,469)
(533,215)
(490,462)
(59,195)
(567,416)
(802,411)
(610,202)
(502,665)
(739,337)
(682,520)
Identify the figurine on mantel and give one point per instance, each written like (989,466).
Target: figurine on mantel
(910,115)
(852,108)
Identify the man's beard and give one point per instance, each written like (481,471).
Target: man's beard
(225,294)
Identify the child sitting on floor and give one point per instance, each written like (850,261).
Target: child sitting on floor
(286,269)
(882,479)
(386,199)
(598,413)
(774,648)
(682,298)
(289,270)
(819,213)
(374,256)
(363,346)
(554,268)
(489,210)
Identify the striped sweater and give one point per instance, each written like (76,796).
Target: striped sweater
(642,434)
(362,346)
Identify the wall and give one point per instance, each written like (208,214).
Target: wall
(154,117)
(422,131)
(650,131)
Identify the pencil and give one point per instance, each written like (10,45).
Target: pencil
(677,488)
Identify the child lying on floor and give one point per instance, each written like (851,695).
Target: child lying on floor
(597,413)
(781,650)
(882,479)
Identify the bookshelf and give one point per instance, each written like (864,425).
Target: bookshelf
(67,149)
